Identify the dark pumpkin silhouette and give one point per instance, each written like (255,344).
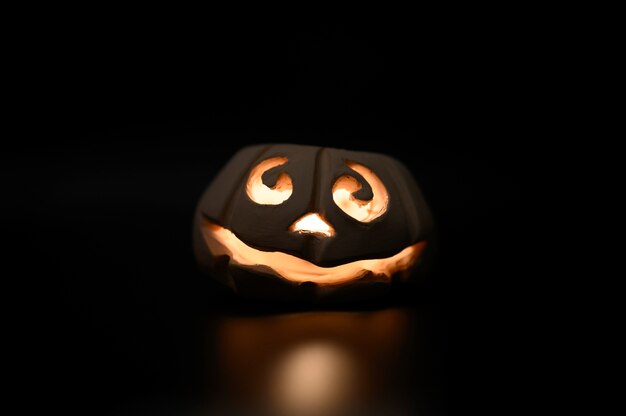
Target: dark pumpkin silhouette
(382,216)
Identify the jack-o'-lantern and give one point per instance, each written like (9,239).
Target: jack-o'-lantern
(292,222)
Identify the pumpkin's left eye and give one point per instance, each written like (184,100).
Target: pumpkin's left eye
(347,186)
(269,195)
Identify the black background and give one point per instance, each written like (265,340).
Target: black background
(134,117)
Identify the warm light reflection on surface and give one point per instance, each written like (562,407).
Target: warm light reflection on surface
(222,241)
(262,194)
(346,186)
(312,224)
(317,364)
(313,379)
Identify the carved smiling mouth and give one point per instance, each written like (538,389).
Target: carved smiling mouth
(223,242)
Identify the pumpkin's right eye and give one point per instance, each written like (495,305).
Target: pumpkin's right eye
(269,195)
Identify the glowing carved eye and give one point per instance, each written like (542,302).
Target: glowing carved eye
(346,186)
(261,193)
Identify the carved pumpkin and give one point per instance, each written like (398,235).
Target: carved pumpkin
(292,222)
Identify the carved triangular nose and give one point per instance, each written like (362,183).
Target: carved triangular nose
(312,223)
